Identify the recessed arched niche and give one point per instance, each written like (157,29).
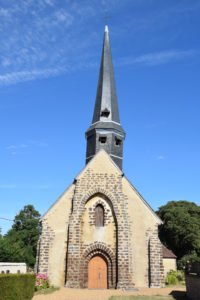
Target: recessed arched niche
(98,222)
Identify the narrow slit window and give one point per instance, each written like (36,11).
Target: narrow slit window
(118,142)
(99,216)
(105,113)
(102,139)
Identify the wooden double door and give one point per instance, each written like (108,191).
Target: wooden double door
(97,273)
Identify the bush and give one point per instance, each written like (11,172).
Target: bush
(188,258)
(42,282)
(17,286)
(174,277)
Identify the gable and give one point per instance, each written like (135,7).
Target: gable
(133,195)
(101,163)
(64,200)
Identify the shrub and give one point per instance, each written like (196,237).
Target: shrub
(42,282)
(174,277)
(17,286)
(188,258)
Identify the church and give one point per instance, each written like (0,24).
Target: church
(101,233)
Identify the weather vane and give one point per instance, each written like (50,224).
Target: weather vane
(106,17)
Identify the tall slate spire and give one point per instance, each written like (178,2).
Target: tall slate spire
(106,98)
(106,131)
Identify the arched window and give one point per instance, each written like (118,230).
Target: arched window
(7,271)
(99,216)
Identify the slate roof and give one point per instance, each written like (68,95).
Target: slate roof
(167,253)
(106,97)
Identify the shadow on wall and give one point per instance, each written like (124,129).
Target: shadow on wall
(179,295)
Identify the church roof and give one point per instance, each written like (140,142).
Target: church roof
(167,253)
(106,106)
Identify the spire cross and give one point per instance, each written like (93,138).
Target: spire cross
(106,17)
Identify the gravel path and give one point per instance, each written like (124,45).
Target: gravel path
(77,294)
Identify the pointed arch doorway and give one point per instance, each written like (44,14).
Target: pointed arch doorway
(97,273)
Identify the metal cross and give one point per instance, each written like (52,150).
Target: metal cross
(106,17)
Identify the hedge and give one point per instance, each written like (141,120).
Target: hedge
(17,286)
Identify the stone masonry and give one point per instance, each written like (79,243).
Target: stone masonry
(128,241)
(44,244)
(110,187)
(155,259)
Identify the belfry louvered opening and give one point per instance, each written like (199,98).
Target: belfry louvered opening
(102,139)
(105,113)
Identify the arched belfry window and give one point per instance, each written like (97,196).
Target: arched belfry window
(99,216)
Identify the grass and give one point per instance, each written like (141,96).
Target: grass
(156,297)
(50,290)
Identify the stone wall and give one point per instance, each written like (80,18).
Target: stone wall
(44,244)
(108,187)
(52,245)
(144,242)
(155,259)
(169,264)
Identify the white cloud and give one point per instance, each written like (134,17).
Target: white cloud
(49,2)
(63,16)
(17,146)
(16,77)
(25,186)
(5,62)
(160,157)
(157,58)
(11,147)
(38,143)
(32,143)
(8,186)
(55,19)
(4,13)
(44,38)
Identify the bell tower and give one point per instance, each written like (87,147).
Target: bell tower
(106,131)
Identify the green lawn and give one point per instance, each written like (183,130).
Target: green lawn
(180,297)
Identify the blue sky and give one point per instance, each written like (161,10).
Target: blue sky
(49,62)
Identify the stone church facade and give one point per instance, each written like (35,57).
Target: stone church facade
(101,233)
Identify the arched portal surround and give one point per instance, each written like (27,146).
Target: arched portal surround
(108,187)
(107,255)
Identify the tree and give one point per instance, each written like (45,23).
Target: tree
(181,229)
(20,243)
